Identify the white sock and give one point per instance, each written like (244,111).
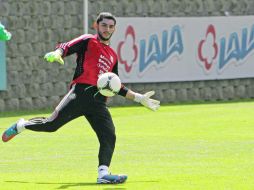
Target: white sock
(102,170)
(21,125)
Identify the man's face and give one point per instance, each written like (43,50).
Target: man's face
(105,29)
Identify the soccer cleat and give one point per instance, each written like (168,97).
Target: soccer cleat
(112,179)
(11,132)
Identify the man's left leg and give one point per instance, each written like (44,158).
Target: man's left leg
(104,128)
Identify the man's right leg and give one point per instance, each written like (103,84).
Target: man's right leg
(66,110)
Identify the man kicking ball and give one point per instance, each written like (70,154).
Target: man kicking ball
(94,57)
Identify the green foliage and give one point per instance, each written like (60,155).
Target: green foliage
(180,147)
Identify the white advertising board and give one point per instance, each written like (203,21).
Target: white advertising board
(184,49)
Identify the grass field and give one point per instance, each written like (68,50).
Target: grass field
(179,147)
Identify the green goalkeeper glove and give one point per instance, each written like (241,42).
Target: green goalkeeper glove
(4,34)
(146,101)
(54,56)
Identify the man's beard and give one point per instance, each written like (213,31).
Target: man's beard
(102,38)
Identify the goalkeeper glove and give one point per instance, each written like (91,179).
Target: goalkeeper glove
(146,101)
(54,56)
(4,34)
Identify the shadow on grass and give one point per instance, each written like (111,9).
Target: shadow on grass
(69,185)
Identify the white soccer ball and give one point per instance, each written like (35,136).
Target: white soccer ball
(108,84)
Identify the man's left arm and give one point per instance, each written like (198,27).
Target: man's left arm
(144,99)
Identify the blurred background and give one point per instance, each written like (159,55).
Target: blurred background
(37,26)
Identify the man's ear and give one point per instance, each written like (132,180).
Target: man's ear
(95,25)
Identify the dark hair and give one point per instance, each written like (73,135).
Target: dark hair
(106,15)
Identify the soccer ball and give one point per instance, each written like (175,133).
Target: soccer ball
(108,84)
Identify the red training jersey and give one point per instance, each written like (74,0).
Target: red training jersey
(93,58)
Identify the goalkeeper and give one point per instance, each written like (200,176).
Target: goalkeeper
(94,56)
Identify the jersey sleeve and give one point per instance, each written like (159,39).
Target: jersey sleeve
(123,90)
(74,46)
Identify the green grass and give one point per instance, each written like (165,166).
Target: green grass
(179,147)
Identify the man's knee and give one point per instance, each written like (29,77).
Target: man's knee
(108,139)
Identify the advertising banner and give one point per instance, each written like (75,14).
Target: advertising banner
(184,49)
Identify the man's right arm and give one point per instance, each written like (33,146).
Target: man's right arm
(55,56)
(64,49)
